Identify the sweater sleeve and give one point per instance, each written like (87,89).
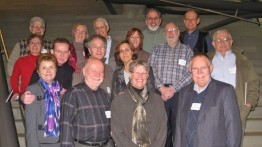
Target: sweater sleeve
(14,79)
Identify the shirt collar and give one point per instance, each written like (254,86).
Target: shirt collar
(228,53)
(196,87)
(196,31)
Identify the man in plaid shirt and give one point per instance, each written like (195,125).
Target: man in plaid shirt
(170,62)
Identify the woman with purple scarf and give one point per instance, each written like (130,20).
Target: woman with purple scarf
(43,115)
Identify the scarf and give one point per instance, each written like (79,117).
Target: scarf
(52,105)
(140,134)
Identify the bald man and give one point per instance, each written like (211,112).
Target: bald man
(85,115)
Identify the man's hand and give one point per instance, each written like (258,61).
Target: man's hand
(166,92)
(62,91)
(28,98)
(248,105)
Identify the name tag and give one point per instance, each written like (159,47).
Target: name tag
(232,70)
(108,114)
(182,62)
(108,89)
(196,106)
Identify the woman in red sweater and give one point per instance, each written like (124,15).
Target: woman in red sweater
(25,66)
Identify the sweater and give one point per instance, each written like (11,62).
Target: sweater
(23,69)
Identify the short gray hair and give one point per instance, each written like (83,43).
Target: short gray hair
(137,63)
(36,18)
(221,30)
(100,19)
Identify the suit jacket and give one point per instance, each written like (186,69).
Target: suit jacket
(35,118)
(112,62)
(219,123)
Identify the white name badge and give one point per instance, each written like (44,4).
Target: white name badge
(182,62)
(108,114)
(108,89)
(232,70)
(196,106)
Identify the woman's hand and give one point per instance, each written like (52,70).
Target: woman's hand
(15,96)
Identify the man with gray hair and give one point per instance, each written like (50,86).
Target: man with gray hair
(153,34)
(232,67)
(36,26)
(102,28)
(169,62)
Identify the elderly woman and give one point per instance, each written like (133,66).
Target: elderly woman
(25,66)
(124,55)
(135,37)
(138,116)
(77,48)
(78,51)
(43,115)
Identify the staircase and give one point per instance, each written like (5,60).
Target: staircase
(253,132)
(60,25)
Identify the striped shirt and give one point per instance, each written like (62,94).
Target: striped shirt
(170,65)
(83,115)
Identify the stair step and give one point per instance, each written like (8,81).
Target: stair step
(20,127)
(254,125)
(257,113)
(252,139)
(21,139)
(17,114)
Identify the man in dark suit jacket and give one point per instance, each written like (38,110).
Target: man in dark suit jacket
(208,113)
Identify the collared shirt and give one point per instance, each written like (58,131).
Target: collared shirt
(171,65)
(225,68)
(190,39)
(83,115)
(108,48)
(196,87)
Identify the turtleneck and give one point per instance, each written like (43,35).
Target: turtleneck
(138,91)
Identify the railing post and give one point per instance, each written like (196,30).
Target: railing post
(8,135)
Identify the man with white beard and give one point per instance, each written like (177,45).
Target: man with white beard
(153,35)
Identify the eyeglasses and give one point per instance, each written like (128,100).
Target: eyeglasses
(139,73)
(220,40)
(196,69)
(34,44)
(80,32)
(100,27)
(98,47)
(170,30)
(37,27)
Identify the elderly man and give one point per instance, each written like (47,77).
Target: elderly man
(169,62)
(85,115)
(232,67)
(36,26)
(102,28)
(97,48)
(153,35)
(199,41)
(208,114)
(64,70)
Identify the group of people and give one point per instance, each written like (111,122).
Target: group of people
(157,88)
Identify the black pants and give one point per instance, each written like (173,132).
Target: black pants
(171,111)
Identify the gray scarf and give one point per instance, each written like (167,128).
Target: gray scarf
(140,135)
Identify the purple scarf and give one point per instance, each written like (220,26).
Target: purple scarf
(52,105)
